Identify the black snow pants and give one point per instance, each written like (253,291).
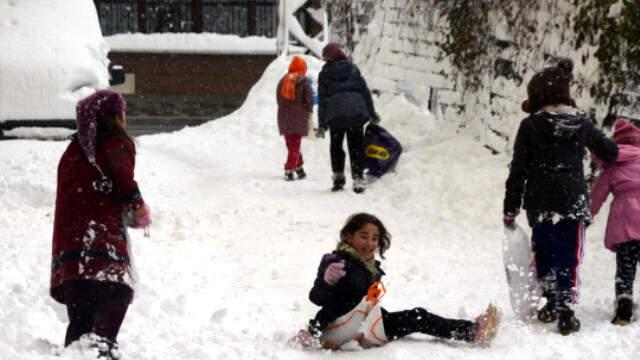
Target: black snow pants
(96,307)
(355,143)
(402,323)
(627,259)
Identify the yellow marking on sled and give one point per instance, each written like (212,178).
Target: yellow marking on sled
(377,152)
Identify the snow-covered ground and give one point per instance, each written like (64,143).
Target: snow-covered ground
(234,249)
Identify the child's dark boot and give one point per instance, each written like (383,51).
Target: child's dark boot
(567,321)
(624,311)
(338,182)
(548,313)
(301,174)
(288,175)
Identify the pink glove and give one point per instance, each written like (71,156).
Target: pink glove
(141,217)
(335,271)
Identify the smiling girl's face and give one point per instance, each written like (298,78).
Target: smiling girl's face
(365,240)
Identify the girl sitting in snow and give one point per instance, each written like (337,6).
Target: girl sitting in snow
(295,105)
(96,198)
(348,289)
(622,179)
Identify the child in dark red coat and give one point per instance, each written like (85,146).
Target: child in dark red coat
(295,105)
(349,277)
(97,198)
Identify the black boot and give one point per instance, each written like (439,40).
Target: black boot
(624,311)
(338,182)
(288,176)
(107,350)
(301,174)
(359,185)
(567,321)
(548,313)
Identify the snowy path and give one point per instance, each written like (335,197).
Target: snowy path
(234,249)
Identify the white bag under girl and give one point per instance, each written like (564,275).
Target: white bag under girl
(363,323)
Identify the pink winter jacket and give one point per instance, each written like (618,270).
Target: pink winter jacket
(622,179)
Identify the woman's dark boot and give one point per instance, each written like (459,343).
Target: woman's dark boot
(359,185)
(338,182)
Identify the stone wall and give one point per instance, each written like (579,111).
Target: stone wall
(400,52)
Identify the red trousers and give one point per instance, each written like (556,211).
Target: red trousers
(294,157)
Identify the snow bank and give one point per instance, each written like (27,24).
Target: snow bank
(53,54)
(234,249)
(207,43)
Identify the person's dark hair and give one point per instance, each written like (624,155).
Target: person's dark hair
(356,221)
(107,127)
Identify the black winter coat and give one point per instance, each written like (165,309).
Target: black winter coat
(547,166)
(341,298)
(344,98)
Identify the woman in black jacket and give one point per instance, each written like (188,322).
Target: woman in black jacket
(547,173)
(345,106)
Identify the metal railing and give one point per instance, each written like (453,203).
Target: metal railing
(219,16)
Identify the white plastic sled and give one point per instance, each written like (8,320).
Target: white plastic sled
(525,292)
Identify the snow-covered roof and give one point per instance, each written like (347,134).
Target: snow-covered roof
(207,43)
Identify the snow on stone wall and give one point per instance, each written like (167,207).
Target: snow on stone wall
(400,53)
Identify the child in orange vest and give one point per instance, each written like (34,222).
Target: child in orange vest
(295,105)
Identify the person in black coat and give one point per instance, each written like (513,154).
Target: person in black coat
(345,106)
(345,276)
(546,177)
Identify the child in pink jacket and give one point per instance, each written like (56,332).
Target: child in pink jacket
(622,179)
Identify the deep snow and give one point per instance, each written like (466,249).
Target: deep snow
(234,249)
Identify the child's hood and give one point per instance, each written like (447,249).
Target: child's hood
(342,70)
(560,125)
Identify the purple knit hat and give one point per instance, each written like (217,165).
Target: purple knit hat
(101,103)
(333,52)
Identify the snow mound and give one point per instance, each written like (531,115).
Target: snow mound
(53,54)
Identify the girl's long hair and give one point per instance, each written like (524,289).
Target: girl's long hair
(356,221)
(107,127)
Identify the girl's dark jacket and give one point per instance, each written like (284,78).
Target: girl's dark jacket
(89,235)
(547,166)
(342,297)
(344,98)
